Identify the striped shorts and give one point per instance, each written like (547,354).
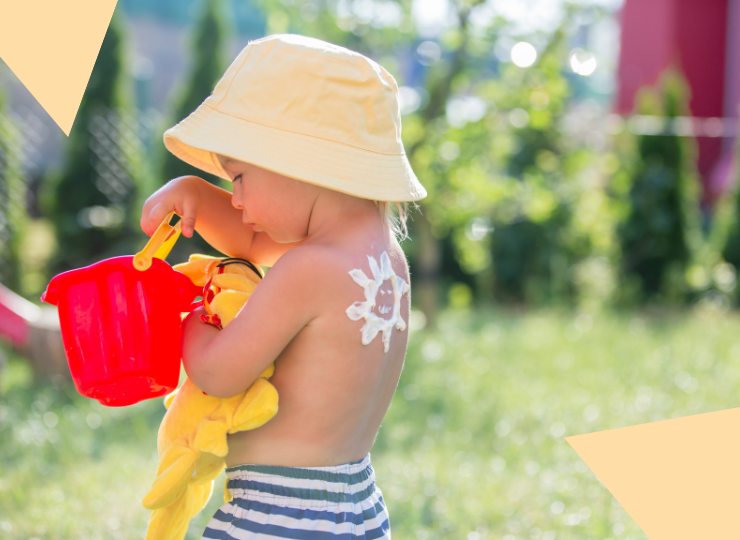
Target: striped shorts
(311,503)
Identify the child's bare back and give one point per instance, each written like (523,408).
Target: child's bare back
(334,391)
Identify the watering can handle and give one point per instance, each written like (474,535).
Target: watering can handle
(160,244)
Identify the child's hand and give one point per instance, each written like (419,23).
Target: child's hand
(181,195)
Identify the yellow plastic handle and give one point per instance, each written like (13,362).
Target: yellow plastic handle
(160,244)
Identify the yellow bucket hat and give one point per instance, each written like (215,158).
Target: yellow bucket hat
(306,109)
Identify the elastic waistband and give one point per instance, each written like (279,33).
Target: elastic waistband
(348,483)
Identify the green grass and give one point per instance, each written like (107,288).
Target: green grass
(472,448)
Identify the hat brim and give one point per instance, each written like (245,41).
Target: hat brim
(326,163)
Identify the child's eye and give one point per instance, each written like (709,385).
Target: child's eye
(237,177)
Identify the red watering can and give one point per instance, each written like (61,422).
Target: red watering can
(121,322)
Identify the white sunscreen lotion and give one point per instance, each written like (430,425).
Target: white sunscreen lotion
(364,310)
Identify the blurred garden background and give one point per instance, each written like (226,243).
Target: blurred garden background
(574,267)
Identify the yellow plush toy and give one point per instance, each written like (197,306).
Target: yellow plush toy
(192,437)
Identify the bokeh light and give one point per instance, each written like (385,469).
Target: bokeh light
(428,53)
(409,99)
(523,54)
(582,62)
(478,228)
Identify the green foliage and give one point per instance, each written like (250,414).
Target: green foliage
(559,191)
(71,468)
(95,201)
(731,250)
(12,203)
(721,255)
(660,232)
(727,239)
(474,439)
(541,197)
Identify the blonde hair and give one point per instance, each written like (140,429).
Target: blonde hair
(396,223)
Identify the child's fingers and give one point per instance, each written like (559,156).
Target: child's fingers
(189,212)
(145,211)
(142,221)
(154,218)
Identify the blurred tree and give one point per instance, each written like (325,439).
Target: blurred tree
(731,240)
(525,206)
(529,249)
(731,249)
(662,230)
(12,202)
(723,248)
(95,201)
(209,62)
(440,84)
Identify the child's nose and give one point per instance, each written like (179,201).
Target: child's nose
(236,203)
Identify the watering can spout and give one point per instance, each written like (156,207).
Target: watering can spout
(51,294)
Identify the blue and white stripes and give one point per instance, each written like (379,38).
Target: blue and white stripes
(313,503)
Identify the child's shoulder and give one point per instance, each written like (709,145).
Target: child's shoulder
(328,267)
(316,264)
(317,259)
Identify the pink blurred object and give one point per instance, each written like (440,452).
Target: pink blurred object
(16,316)
(33,331)
(701,39)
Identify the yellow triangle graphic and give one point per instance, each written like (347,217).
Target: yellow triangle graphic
(678,479)
(51,46)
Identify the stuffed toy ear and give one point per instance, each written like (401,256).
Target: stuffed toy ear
(176,466)
(167,523)
(211,435)
(207,468)
(198,268)
(236,282)
(171,522)
(195,270)
(259,404)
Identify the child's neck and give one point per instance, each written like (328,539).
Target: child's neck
(336,217)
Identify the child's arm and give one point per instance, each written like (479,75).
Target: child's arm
(208,209)
(225,362)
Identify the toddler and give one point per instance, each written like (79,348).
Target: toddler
(309,133)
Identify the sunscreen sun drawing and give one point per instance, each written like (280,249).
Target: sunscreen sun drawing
(364,310)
